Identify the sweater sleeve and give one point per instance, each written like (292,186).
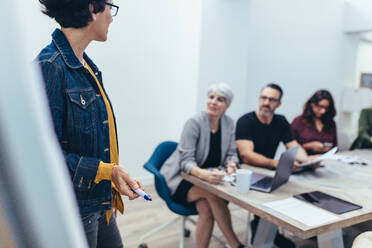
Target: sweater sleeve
(104,172)
(231,156)
(82,169)
(296,128)
(187,145)
(365,125)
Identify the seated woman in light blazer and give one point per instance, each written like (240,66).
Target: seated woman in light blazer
(364,139)
(207,142)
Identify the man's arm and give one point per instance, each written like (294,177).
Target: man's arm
(247,154)
(301,155)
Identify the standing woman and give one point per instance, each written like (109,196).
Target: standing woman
(83,117)
(315,129)
(207,141)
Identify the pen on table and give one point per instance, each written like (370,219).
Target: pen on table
(142,193)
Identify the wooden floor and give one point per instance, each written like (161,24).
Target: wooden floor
(141,216)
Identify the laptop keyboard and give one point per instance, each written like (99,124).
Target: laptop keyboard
(264,182)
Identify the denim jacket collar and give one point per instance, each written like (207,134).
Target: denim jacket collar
(68,55)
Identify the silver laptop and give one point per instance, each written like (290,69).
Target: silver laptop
(268,184)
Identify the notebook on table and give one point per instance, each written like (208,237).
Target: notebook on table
(328,202)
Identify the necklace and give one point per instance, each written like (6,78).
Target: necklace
(213,125)
(214,130)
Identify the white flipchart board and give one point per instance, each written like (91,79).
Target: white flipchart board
(36,195)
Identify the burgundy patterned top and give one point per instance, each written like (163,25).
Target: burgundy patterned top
(304,133)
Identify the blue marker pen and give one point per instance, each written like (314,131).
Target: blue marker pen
(143,194)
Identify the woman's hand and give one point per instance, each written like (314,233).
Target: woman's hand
(314,157)
(212,176)
(316,146)
(124,182)
(231,168)
(296,165)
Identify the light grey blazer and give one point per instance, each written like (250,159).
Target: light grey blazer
(193,148)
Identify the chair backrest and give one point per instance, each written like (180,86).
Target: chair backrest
(363,240)
(162,152)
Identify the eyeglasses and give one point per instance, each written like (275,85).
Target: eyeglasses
(321,106)
(113,8)
(271,100)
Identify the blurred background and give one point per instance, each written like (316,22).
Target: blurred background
(161,56)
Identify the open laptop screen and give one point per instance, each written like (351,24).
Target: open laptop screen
(285,166)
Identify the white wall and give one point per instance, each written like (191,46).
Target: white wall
(149,64)
(223,51)
(161,56)
(356,98)
(298,45)
(358,15)
(301,45)
(364,62)
(358,21)
(35,192)
(36,26)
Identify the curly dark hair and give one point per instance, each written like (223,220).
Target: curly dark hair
(72,13)
(327,118)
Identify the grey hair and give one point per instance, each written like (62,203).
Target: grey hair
(223,90)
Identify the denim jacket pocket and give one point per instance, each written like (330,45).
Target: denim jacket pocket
(83,109)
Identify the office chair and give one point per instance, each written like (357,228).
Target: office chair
(363,240)
(157,159)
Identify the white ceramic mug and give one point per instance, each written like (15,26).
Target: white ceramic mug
(243,180)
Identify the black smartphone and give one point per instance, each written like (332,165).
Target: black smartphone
(328,202)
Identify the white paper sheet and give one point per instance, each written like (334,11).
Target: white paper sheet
(353,160)
(303,212)
(327,155)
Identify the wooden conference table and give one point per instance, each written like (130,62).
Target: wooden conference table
(346,181)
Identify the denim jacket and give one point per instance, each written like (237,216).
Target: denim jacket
(80,120)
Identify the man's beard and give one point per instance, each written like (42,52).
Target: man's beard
(267,113)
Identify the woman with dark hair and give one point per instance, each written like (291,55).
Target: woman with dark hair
(315,129)
(83,116)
